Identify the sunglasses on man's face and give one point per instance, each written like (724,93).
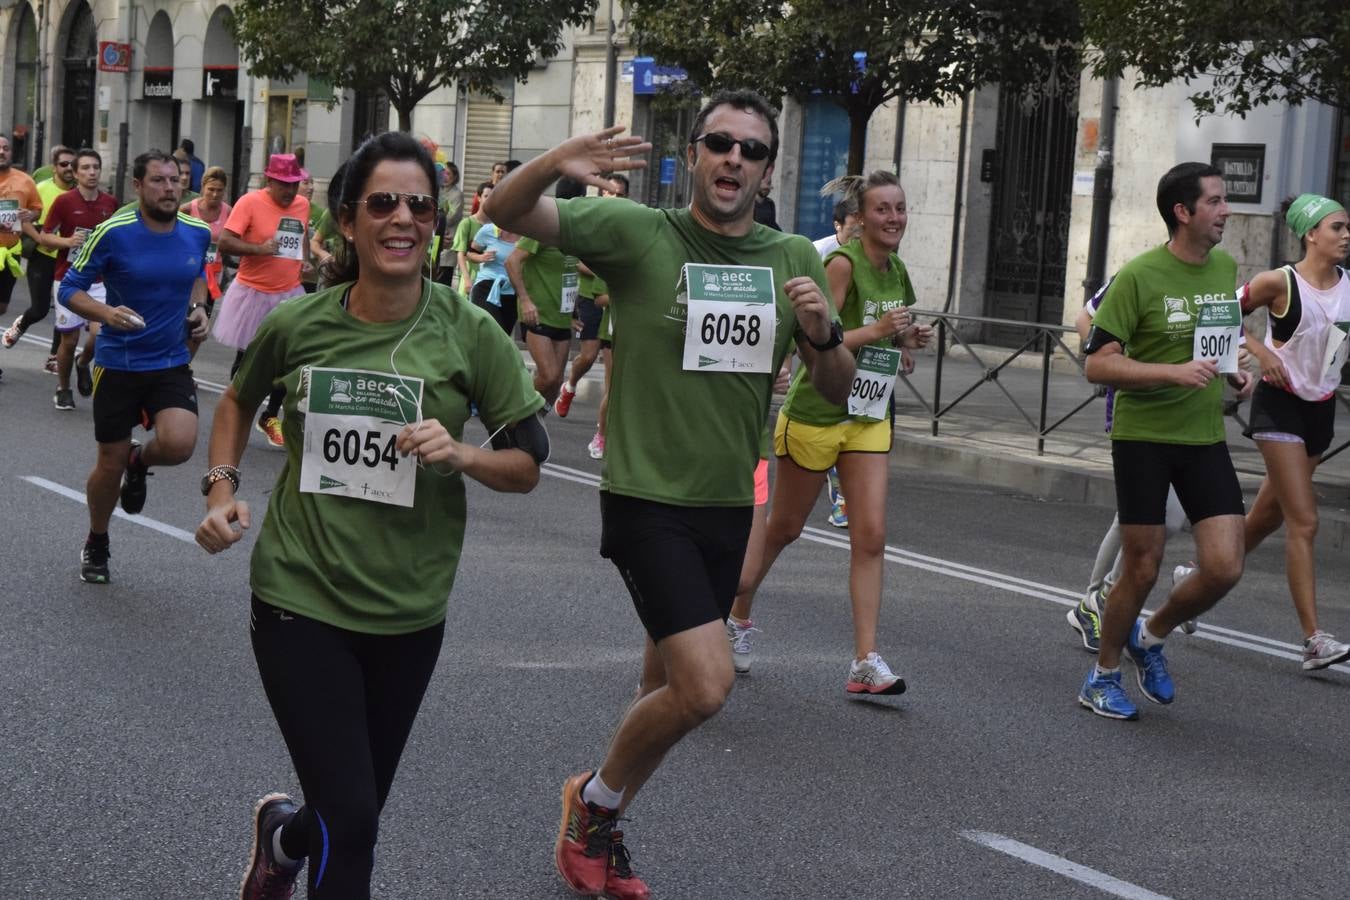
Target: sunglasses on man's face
(382,205)
(717,142)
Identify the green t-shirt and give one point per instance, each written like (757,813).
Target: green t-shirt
(464,232)
(48,191)
(360,565)
(1151,306)
(681,437)
(543,273)
(871,294)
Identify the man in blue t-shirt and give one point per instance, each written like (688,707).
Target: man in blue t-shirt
(151,258)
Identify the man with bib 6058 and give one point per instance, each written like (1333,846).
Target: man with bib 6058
(711,303)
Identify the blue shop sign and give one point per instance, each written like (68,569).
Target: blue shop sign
(649,78)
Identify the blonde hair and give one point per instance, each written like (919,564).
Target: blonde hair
(852,188)
(216,173)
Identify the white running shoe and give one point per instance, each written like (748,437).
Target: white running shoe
(12,334)
(739,637)
(596,448)
(873,676)
(1322,650)
(1190,625)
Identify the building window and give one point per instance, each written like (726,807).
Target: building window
(824,156)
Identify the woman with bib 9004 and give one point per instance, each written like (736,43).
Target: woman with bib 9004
(363,533)
(872,291)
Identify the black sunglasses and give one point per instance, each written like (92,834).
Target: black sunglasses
(717,142)
(382,204)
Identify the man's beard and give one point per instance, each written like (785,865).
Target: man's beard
(160,215)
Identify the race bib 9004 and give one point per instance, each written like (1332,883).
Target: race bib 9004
(351,432)
(873,383)
(732,318)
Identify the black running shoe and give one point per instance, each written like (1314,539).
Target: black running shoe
(63,399)
(84,379)
(94,563)
(265,877)
(133,482)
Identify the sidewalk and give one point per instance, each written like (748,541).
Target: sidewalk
(984,438)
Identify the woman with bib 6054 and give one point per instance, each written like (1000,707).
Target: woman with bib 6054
(358,552)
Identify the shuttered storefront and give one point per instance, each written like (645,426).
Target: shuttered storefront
(487,138)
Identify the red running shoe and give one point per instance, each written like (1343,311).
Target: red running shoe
(563,404)
(620,882)
(582,852)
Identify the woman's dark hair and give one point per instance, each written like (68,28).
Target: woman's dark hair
(485,186)
(454,173)
(391,146)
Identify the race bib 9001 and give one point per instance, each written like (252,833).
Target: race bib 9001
(732,318)
(351,432)
(1217,328)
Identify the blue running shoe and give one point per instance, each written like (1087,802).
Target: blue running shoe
(838,509)
(1104,696)
(1086,620)
(1150,669)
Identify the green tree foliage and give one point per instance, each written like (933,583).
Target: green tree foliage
(408,48)
(920,50)
(1255,51)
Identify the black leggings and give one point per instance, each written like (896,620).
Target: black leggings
(41,273)
(345,703)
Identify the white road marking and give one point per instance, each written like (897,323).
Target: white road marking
(75,495)
(1061,866)
(1011,583)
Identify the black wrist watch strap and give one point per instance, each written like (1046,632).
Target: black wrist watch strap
(834,340)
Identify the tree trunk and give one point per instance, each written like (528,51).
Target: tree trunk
(405,113)
(858,117)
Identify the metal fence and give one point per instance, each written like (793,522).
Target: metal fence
(1042,339)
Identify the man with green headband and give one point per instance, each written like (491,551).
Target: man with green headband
(1168,327)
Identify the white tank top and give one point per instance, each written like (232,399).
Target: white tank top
(1313,374)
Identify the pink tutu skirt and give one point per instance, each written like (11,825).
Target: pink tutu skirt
(242,310)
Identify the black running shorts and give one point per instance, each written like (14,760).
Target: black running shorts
(1202,474)
(682,564)
(589,315)
(121,396)
(1278,410)
(552,332)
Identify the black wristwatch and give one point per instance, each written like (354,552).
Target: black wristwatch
(834,340)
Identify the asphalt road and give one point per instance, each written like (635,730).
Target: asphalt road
(136,736)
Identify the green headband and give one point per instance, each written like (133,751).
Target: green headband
(1309,209)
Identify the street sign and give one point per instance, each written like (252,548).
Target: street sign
(114,57)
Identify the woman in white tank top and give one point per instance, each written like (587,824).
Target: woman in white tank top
(1294,407)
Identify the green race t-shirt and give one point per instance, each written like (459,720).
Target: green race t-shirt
(871,294)
(686,438)
(464,232)
(544,272)
(1152,306)
(357,564)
